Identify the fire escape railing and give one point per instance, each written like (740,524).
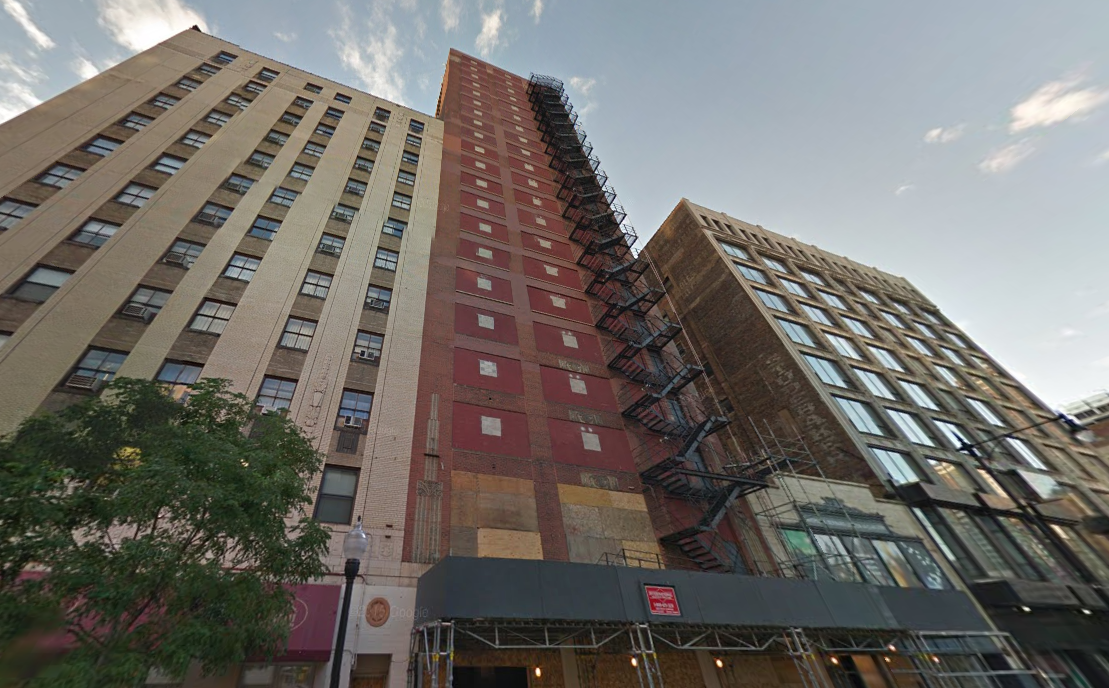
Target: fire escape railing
(654,390)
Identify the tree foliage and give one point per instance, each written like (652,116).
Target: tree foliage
(139,532)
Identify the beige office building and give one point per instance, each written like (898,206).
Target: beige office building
(202,210)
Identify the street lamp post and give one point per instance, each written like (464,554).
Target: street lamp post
(354,548)
(1079,433)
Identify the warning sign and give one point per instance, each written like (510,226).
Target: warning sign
(662,600)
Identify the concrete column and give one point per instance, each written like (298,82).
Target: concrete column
(709,672)
(569,668)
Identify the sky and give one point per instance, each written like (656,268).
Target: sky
(962,145)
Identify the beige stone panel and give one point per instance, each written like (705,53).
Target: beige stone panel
(582,520)
(464,509)
(463,480)
(507,511)
(508,544)
(463,541)
(505,484)
(590,550)
(646,546)
(577,494)
(626,525)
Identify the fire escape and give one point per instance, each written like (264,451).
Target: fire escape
(655,395)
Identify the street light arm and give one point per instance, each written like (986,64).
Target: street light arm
(1076,429)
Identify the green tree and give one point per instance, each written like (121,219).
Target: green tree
(162,533)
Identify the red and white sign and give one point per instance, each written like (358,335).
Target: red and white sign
(662,600)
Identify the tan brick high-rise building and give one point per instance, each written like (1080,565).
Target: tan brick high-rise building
(203,210)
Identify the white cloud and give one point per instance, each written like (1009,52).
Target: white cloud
(904,188)
(584,86)
(1003,159)
(285,37)
(490,36)
(1103,158)
(1069,333)
(16,87)
(451,13)
(944,134)
(373,56)
(537,10)
(21,17)
(139,24)
(1102,362)
(83,67)
(1056,102)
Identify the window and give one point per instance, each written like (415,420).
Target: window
(952,474)
(316,285)
(752,274)
(267,74)
(59,176)
(869,297)
(314,149)
(920,346)
(985,412)
(954,433)
(378,298)
(775,265)
(832,300)
(796,288)
(901,307)
(735,251)
(179,377)
(402,201)
(381,114)
(254,87)
(195,138)
(355,405)
(1025,452)
(364,164)
(208,69)
(410,158)
(301,103)
(844,346)
(12,211)
(817,314)
(858,327)
(911,426)
(416,127)
(260,159)
(303,172)
(135,195)
(213,214)
(324,130)
(212,317)
(217,118)
(861,416)
(40,284)
(333,113)
(377,128)
(355,187)
(367,346)
(886,358)
(331,245)
(298,334)
(135,121)
(264,228)
(313,88)
(406,178)
(290,118)
(413,140)
(919,395)
(948,376)
(828,372)
(925,330)
(386,259)
(242,267)
(875,383)
(224,57)
(99,364)
(336,501)
(394,227)
(238,101)
(814,278)
(277,137)
(957,340)
(275,393)
(101,145)
(797,333)
(370,144)
(162,101)
(897,465)
(188,84)
(343,213)
(342,98)
(953,356)
(183,253)
(772,301)
(893,319)
(94,233)
(168,164)
(283,196)
(149,299)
